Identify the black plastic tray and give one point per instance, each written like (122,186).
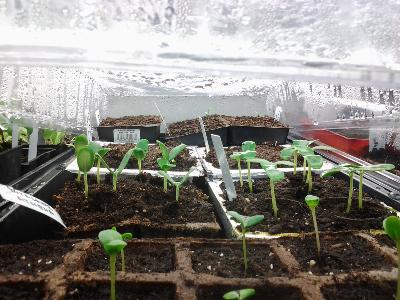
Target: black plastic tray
(150,132)
(238,134)
(44,153)
(196,139)
(10,164)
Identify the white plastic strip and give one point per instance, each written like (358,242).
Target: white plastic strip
(203,131)
(33,142)
(15,136)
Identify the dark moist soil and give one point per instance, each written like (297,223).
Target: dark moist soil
(138,197)
(5,146)
(21,291)
(262,293)
(295,216)
(339,254)
(385,240)
(139,258)
(386,156)
(356,289)
(268,150)
(124,290)
(131,121)
(259,121)
(33,257)
(183,161)
(227,261)
(186,127)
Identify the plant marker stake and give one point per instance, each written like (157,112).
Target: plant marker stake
(162,118)
(203,131)
(15,135)
(33,141)
(223,164)
(97,115)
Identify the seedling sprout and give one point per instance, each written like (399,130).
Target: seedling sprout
(245,223)
(53,137)
(312,202)
(99,151)
(79,142)
(313,162)
(391,225)
(140,151)
(85,160)
(177,184)
(240,294)
(126,237)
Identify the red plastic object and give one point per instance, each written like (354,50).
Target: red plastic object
(353,146)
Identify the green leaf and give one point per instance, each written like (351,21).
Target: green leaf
(248,154)
(124,162)
(127,236)
(80,141)
(260,161)
(237,217)
(187,175)
(305,151)
(164,164)
(253,220)
(377,167)
(287,153)
(102,161)
(391,225)
(312,201)
(164,150)
(47,134)
(302,143)
(239,294)
(248,146)
(175,151)
(139,153)
(111,241)
(275,175)
(326,148)
(284,163)
(85,159)
(94,146)
(339,168)
(144,145)
(103,151)
(236,156)
(315,161)
(169,178)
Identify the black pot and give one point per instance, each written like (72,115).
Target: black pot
(150,132)
(44,153)
(239,134)
(10,164)
(196,139)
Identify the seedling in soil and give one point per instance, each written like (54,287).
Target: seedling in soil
(391,225)
(140,151)
(85,160)
(240,294)
(126,237)
(245,223)
(99,151)
(166,162)
(350,169)
(248,152)
(370,168)
(313,162)
(177,184)
(113,243)
(312,202)
(53,137)
(79,142)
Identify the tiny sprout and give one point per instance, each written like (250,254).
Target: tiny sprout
(314,162)
(79,142)
(245,223)
(99,151)
(85,160)
(126,237)
(177,184)
(248,152)
(140,151)
(53,137)
(239,294)
(113,243)
(391,225)
(312,202)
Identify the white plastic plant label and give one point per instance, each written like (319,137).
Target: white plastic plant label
(223,164)
(8,193)
(203,131)
(15,136)
(126,136)
(97,115)
(89,132)
(33,142)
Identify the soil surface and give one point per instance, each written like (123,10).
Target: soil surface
(33,257)
(267,150)
(385,240)
(193,126)
(113,158)
(227,261)
(138,198)
(356,289)
(294,215)
(339,254)
(387,157)
(131,120)
(213,122)
(21,291)
(262,293)
(124,290)
(139,258)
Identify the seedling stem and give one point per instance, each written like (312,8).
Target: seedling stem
(360,190)
(249,177)
(274,207)
(350,198)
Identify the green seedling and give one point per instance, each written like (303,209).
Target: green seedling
(79,142)
(313,162)
(238,157)
(370,168)
(391,225)
(113,243)
(245,223)
(53,137)
(126,237)
(239,294)
(99,151)
(121,167)
(350,169)
(85,160)
(167,161)
(312,202)
(140,151)
(248,152)
(177,184)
